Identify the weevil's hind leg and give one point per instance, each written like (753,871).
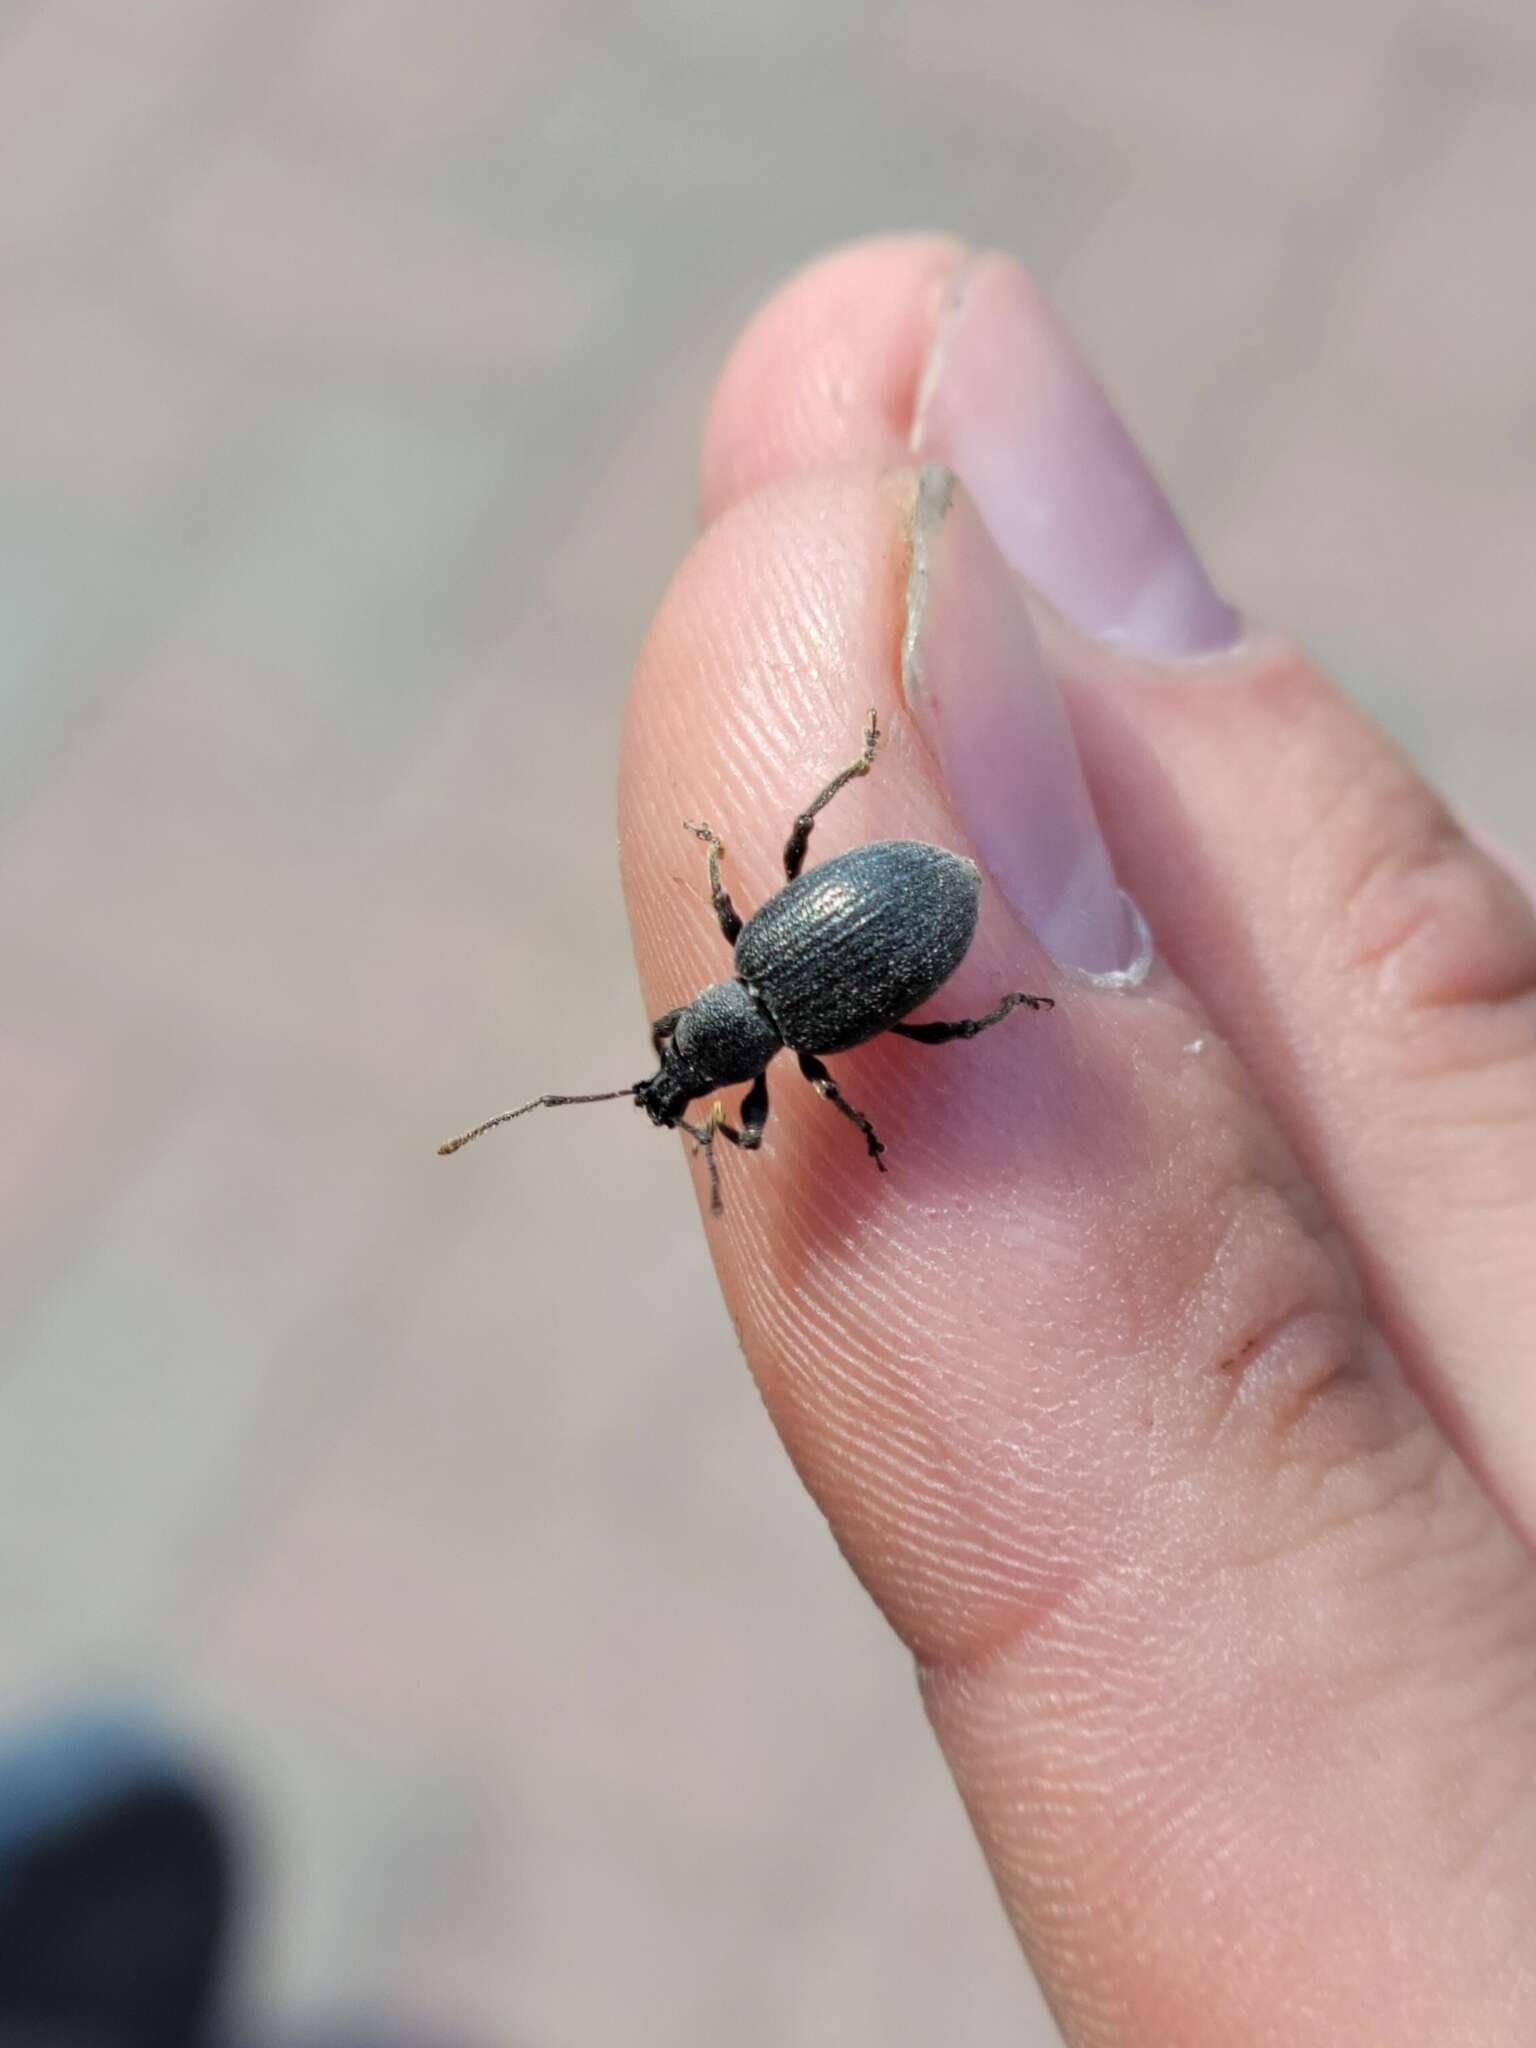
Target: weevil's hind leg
(662,1030)
(825,1086)
(725,909)
(800,835)
(967,1027)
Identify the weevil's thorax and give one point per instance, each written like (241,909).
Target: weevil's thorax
(722,1038)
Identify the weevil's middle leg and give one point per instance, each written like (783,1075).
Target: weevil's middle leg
(826,1087)
(800,835)
(967,1027)
(725,909)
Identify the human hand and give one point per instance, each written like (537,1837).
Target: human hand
(1173,1394)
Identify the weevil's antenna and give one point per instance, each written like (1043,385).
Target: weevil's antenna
(538,1102)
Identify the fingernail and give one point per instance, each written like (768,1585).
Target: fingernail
(1007,402)
(974,680)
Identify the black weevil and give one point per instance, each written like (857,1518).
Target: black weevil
(836,957)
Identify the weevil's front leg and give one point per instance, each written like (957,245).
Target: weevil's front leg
(662,1030)
(800,835)
(824,1085)
(703,1135)
(725,909)
(754,1117)
(967,1027)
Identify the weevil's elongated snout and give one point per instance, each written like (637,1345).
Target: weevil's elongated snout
(539,1102)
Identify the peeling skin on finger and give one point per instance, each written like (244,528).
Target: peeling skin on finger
(930,508)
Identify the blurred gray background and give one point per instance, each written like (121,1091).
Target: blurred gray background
(352,355)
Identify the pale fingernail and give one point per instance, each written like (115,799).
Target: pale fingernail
(974,680)
(1008,403)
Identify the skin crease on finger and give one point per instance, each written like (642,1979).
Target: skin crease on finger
(1234,1664)
(1374,968)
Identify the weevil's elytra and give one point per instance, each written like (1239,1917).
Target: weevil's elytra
(838,956)
(860,941)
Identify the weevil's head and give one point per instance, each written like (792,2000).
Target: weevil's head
(722,1038)
(663,1097)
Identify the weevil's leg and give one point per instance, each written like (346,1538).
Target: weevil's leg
(703,1135)
(754,1116)
(799,838)
(967,1027)
(824,1085)
(662,1030)
(725,909)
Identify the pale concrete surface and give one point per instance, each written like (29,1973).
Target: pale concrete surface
(351,355)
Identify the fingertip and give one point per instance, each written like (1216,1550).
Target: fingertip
(827,372)
(750,680)
(920,348)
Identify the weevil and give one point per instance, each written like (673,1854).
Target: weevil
(842,953)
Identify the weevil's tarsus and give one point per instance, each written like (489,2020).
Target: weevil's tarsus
(703,1136)
(968,1027)
(800,834)
(725,909)
(538,1102)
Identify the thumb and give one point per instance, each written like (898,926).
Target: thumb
(1227,1652)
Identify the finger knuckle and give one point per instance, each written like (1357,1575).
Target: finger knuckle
(1413,922)
(1433,922)
(1278,1363)
(1435,942)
